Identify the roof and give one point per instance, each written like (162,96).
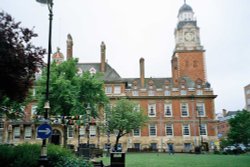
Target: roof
(185,8)
(231,113)
(109,75)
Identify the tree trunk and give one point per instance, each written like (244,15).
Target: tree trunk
(117,140)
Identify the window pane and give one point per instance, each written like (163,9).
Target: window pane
(168,109)
(137,146)
(151,93)
(135,93)
(82,131)
(203,129)
(183,92)
(117,89)
(16,132)
(137,132)
(154,146)
(108,89)
(186,130)
(27,132)
(151,110)
(167,93)
(70,131)
(200,109)
(92,130)
(152,130)
(169,130)
(184,109)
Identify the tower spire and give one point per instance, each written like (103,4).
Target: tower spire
(184,1)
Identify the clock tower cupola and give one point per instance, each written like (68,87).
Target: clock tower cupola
(188,60)
(187,34)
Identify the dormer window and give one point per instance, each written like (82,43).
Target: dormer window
(79,71)
(183,84)
(92,70)
(183,92)
(135,93)
(199,84)
(151,93)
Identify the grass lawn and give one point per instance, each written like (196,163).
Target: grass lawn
(183,160)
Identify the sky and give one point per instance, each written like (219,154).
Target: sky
(132,29)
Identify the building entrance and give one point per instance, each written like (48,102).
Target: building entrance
(56,137)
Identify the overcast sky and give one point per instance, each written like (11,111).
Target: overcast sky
(132,29)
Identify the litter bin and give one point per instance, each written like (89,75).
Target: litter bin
(117,159)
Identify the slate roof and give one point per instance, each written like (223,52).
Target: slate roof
(185,8)
(232,113)
(109,75)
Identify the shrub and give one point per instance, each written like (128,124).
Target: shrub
(28,155)
(61,157)
(6,155)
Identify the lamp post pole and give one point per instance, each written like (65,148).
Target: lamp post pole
(88,110)
(201,139)
(43,157)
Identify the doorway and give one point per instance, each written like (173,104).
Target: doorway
(56,137)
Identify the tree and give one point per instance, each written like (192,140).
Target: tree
(239,128)
(70,92)
(124,117)
(19,59)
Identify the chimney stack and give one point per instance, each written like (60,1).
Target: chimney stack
(142,72)
(224,112)
(103,57)
(69,47)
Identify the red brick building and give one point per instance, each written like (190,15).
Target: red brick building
(180,107)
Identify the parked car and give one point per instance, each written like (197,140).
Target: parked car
(235,149)
(242,147)
(229,148)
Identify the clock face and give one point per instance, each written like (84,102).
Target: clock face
(189,36)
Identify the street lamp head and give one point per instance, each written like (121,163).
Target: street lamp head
(88,109)
(47,106)
(45,1)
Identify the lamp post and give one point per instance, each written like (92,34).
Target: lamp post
(201,139)
(88,110)
(43,157)
(108,139)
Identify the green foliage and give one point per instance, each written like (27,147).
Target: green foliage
(21,155)
(125,117)
(28,155)
(70,91)
(239,128)
(6,155)
(61,157)
(19,59)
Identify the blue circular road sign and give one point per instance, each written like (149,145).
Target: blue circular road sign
(44,131)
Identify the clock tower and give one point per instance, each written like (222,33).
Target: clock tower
(188,59)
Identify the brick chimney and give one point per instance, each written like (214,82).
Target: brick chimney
(142,72)
(224,112)
(103,57)
(69,47)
